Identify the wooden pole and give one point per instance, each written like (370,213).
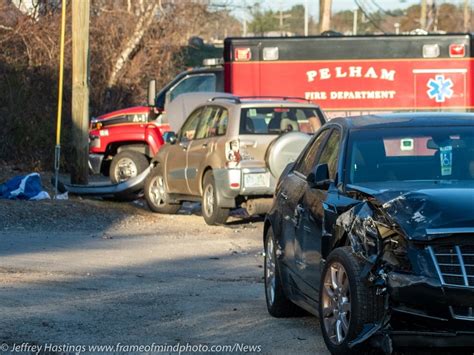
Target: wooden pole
(306,18)
(80,90)
(467,16)
(324,15)
(423,14)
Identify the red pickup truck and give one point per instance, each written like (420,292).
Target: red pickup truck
(122,142)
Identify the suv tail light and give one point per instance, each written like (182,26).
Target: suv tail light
(232,153)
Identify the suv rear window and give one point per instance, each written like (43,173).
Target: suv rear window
(278,120)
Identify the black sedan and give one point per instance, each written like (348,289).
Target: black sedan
(372,229)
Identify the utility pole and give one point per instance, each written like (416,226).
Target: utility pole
(306,17)
(324,15)
(467,16)
(423,15)
(282,17)
(354,22)
(80,90)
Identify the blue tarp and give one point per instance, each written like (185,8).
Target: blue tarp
(23,188)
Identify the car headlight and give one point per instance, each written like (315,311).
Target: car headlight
(394,246)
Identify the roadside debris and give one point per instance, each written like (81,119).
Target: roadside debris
(26,187)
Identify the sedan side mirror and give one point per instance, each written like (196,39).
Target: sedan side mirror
(170,137)
(151,93)
(319,177)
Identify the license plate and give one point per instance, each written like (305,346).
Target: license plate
(255,180)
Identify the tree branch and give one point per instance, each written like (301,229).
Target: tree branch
(141,28)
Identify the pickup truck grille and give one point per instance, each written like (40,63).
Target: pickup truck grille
(454,264)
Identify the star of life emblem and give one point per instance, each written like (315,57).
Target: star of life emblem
(440,88)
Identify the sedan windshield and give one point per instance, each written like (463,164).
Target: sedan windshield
(278,120)
(410,154)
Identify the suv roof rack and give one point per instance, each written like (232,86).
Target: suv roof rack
(285,98)
(231,98)
(238,99)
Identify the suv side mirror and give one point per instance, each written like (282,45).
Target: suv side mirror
(151,92)
(170,137)
(319,177)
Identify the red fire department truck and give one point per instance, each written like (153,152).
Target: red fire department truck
(344,75)
(352,75)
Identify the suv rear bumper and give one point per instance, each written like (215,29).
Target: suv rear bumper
(231,183)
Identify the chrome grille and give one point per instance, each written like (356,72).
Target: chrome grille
(454,264)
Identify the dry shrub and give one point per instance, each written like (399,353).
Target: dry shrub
(29,63)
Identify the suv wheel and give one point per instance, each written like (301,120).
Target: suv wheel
(127,164)
(346,302)
(212,213)
(155,193)
(278,305)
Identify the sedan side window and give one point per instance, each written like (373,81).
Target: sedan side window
(330,153)
(307,160)
(188,130)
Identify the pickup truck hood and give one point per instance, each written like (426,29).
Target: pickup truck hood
(428,212)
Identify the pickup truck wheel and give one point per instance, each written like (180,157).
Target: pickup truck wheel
(155,193)
(127,164)
(347,303)
(212,213)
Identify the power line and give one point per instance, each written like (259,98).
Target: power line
(366,14)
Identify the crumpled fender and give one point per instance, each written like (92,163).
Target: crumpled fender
(359,227)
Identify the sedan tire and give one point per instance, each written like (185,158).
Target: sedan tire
(278,304)
(346,302)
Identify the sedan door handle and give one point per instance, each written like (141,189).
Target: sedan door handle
(299,210)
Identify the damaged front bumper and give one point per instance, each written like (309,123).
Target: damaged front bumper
(425,313)
(131,186)
(421,312)
(95,163)
(427,283)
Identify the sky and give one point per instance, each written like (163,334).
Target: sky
(337,5)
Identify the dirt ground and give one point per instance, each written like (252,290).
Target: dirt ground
(90,272)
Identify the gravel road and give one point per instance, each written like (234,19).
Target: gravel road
(89,272)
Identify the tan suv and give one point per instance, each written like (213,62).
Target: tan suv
(228,153)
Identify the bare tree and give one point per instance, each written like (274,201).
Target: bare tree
(145,20)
